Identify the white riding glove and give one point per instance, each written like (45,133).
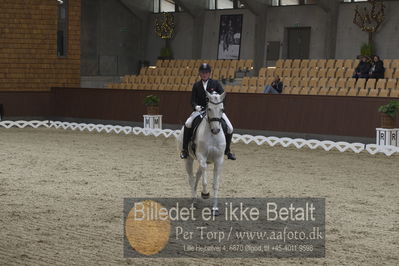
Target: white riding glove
(198,108)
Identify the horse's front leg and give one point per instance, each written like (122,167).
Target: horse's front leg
(216,183)
(201,173)
(191,178)
(205,192)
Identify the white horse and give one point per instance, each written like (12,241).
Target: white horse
(210,145)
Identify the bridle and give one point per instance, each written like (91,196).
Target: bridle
(214,119)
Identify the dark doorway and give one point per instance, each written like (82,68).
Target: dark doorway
(298,40)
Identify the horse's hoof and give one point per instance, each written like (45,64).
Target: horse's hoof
(205,195)
(215,212)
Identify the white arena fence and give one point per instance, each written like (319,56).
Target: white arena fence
(259,140)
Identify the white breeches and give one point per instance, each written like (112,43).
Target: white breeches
(190,120)
(194,114)
(228,123)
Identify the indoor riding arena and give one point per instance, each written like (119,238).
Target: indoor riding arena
(95,94)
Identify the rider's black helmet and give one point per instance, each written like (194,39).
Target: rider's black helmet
(205,68)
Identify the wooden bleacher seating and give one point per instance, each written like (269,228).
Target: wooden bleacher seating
(306,77)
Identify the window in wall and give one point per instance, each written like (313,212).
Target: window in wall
(62,28)
(292,2)
(225,4)
(156,6)
(275,2)
(165,6)
(289,2)
(212,4)
(168,6)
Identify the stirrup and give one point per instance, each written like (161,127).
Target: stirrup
(184,154)
(231,156)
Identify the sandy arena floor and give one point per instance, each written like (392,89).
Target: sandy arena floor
(61,195)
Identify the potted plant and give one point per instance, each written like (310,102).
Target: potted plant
(388,114)
(166,53)
(152,103)
(367,50)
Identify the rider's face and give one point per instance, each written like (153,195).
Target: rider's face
(204,75)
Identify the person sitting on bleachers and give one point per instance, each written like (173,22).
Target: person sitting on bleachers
(362,69)
(377,69)
(276,87)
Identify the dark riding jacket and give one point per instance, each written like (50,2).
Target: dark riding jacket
(377,68)
(363,67)
(198,96)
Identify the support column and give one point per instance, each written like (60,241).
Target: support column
(198,35)
(260,41)
(260,12)
(140,11)
(331,8)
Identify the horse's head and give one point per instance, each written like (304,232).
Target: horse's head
(214,111)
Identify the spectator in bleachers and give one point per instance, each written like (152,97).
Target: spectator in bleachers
(377,69)
(276,87)
(363,68)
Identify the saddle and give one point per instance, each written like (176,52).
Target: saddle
(195,124)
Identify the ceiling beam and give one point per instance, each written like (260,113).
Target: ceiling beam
(141,9)
(194,8)
(256,7)
(327,5)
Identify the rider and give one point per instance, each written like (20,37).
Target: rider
(198,101)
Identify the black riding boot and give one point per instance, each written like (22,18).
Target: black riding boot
(227,152)
(186,139)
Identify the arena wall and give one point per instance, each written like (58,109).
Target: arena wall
(326,115)
(29,61)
